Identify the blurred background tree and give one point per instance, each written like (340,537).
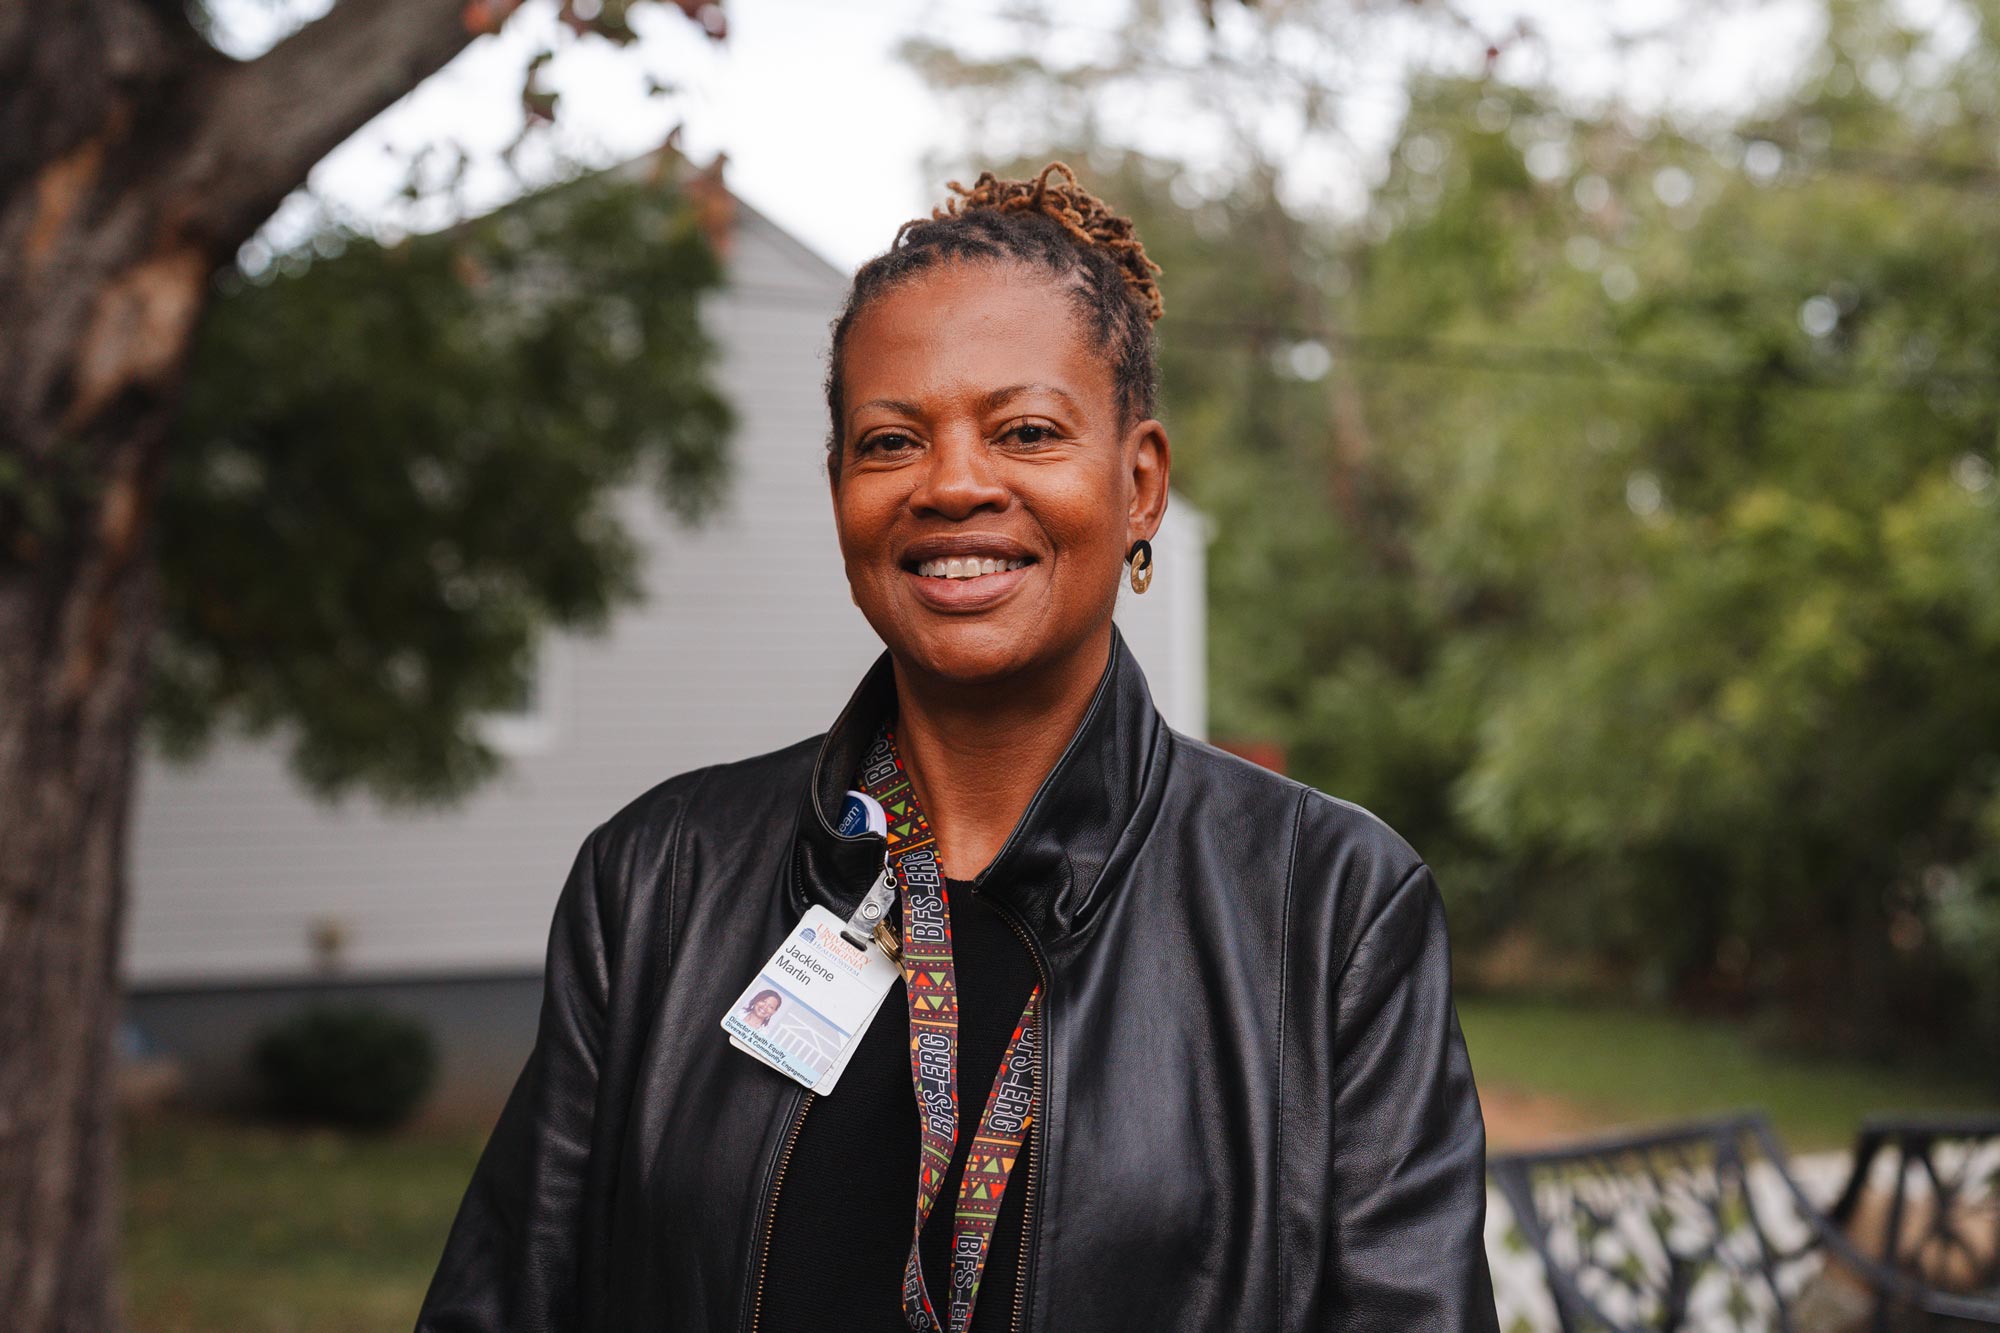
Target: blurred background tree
(1609,502)
(398,466)
(136,157)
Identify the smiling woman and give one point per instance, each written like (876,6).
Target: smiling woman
(1172,1039)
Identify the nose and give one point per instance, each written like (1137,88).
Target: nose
(959,478)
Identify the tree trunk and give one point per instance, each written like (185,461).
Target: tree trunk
(98,301)
(134,160)
(100,318)
(73,634)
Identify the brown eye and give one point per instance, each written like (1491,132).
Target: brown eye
(1030,433)
(888,442)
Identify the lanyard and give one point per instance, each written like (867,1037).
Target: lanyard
(932,987)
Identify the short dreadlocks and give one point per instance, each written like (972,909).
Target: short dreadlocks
(1056,225)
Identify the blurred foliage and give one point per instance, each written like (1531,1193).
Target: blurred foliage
(398,466)
(1613,509)
(1590,1068)
(353,1066)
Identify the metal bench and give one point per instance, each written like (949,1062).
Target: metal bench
(1704,1227)
(1936,1217)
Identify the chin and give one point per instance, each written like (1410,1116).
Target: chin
(972,652)
(1020,636)
(973,655)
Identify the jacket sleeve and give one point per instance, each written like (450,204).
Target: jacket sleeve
(510,1263)
(1409,1145)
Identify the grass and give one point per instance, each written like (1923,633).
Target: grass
(261,1230)
(1624,1068)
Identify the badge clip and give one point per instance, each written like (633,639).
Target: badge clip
(873,912)
(860,814)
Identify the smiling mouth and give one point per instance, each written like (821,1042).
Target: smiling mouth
(968,567)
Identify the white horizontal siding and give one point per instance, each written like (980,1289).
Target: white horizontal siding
(747,642)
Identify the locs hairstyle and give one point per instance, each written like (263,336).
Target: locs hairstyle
(1055,225)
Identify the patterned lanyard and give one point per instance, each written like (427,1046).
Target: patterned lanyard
(932,986)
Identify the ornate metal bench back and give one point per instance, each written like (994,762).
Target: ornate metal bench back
(1940,1222)
(1702,1226)
(1660,1232)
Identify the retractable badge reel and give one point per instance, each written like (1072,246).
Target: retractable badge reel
(860,814)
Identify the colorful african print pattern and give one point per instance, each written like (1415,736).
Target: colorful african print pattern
(932,988)
(989,1164)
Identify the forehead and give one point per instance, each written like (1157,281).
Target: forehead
(964,329)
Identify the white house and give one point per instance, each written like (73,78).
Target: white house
(249,897)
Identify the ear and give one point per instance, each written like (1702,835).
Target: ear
(1148,459)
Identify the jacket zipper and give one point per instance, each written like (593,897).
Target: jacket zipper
(771,1208)
(1019,1321)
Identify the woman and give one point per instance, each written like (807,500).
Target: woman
(1181,1030)
(762,1006)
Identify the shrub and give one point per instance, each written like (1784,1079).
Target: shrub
(351,1065)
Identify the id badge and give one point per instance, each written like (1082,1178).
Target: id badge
(805,1010)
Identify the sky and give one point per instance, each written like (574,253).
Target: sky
(824,128)
(827,131)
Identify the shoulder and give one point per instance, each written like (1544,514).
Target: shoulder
(748,791)
(1346,867)
(1328,834)
(619,895)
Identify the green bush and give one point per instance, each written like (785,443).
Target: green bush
(355,1066)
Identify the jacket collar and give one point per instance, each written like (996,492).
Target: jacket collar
(1051,866)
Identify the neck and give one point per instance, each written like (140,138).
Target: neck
(978,753)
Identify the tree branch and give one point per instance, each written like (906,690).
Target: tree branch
(262,124)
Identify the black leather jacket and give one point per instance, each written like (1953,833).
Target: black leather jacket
(1257,1109)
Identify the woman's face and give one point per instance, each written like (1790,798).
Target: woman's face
(986,493)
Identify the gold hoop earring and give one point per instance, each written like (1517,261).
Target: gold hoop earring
(1140,557)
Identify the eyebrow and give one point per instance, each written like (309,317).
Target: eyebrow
(896,405)
(1000,397)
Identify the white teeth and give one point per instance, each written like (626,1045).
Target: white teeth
(966,567)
